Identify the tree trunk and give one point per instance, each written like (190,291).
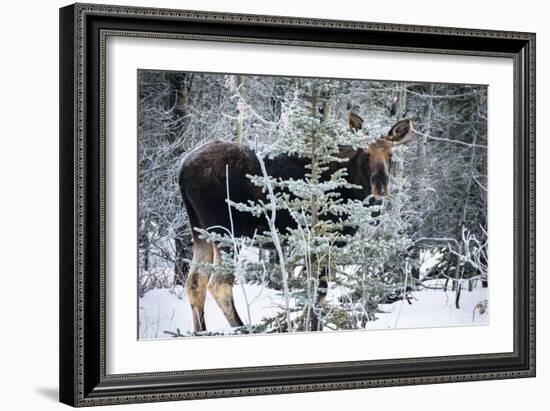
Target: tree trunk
(401,100)
(183,246)
(420,164)
(181,83)
(457,296)
(240,115)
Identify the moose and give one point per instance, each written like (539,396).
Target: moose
(203,187)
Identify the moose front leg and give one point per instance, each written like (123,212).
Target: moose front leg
(197,282)
(221,288)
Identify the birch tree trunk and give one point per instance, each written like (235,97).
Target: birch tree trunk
(421,140)
(312,322)
(240,116)
(401,108)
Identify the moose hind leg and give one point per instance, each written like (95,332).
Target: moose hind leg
(221,288)
(197,281)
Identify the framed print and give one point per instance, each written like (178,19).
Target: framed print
(261,204)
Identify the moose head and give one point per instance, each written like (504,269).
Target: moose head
(378,154)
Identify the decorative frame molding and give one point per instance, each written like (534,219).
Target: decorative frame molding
(83,32)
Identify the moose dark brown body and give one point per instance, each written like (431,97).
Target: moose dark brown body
(209,170)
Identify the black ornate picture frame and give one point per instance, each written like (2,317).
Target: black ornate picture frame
(84,29)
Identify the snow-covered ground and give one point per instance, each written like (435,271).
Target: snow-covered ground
(165,311)
(432,308)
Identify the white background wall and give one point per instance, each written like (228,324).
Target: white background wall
(29,204)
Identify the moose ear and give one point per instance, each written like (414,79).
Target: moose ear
(401,132)
(355,121)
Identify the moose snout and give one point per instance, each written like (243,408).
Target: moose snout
(379,184)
